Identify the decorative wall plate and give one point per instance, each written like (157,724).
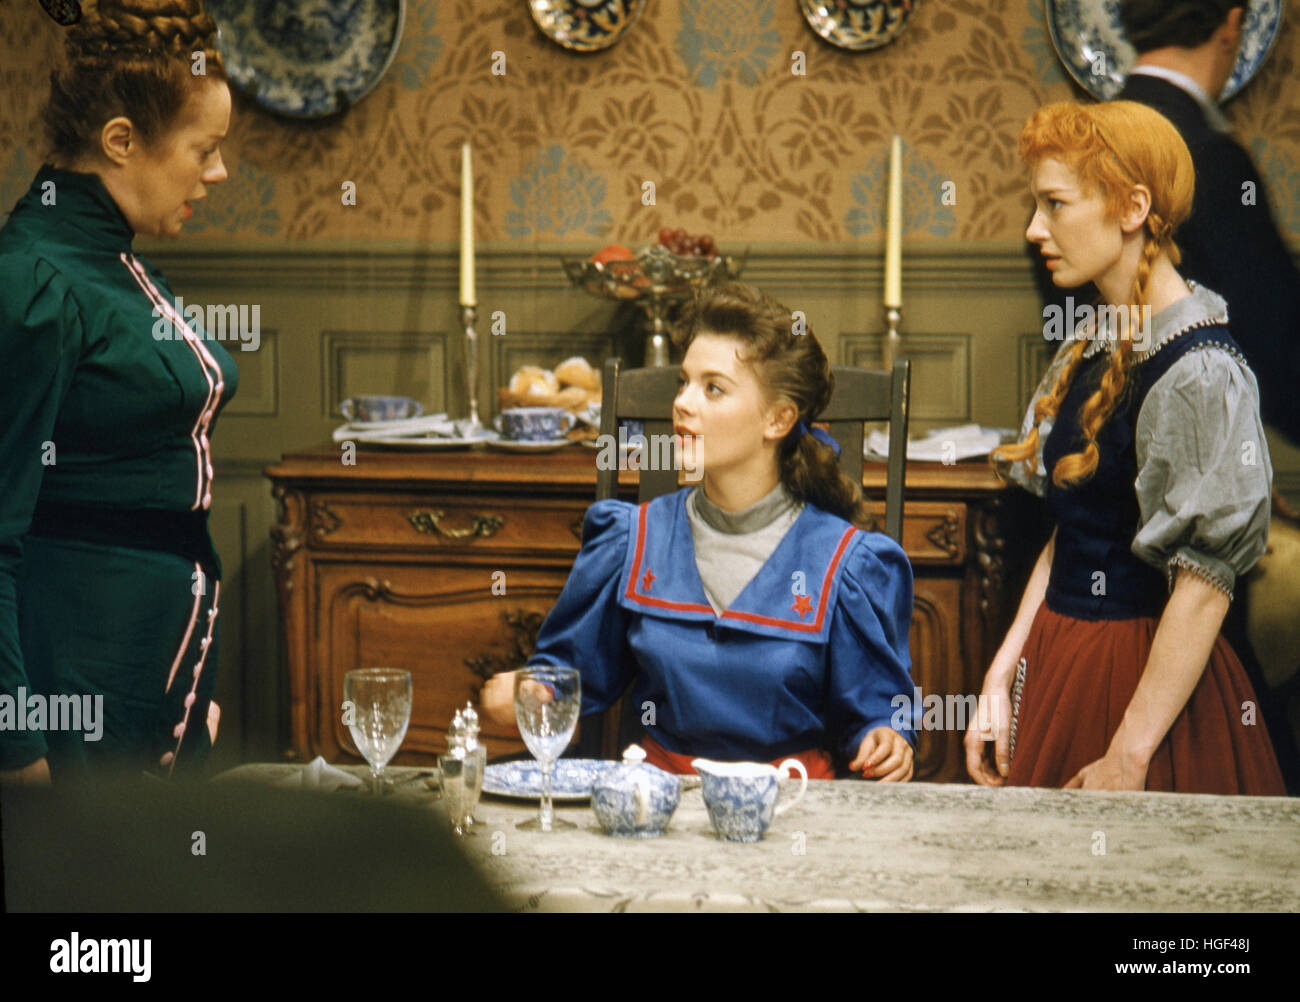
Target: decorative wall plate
(309,58)
(585,25)
(857,24)
(1089,40)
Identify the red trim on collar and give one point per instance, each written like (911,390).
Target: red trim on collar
(748,617)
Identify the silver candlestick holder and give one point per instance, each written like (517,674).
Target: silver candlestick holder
(893,343)
(468,314)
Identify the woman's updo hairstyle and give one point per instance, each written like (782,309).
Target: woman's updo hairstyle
(790,366)
(133,58)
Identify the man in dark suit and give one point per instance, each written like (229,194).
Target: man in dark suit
(1186,52)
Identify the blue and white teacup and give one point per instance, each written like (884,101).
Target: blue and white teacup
(374,407)
(741,796)
(533,424)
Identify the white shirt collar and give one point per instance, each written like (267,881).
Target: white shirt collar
(1213,116)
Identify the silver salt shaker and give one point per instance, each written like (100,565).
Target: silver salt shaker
(452,767)
(475,763)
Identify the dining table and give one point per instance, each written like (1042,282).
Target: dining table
(858,845)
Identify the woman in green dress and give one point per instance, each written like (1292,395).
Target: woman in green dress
(109,584)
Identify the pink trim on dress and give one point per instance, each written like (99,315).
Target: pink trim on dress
(189,630)
(203,423)
(198,670)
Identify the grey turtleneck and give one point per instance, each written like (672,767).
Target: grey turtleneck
(731,547)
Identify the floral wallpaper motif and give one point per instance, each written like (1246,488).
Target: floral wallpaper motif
(1282,179)
(420,47)
(700,96)
(927,197)
(726,38)
(558,196)
(247,205)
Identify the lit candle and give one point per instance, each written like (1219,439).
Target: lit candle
(894,234)
(466,228)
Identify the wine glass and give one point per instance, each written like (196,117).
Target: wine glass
(547,701)
(381,711)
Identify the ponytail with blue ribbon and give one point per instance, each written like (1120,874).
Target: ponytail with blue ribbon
(802,428)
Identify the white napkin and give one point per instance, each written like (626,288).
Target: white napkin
(943,444)
(318,775)
(428,426)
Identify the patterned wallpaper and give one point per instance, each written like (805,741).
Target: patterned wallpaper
(698,97)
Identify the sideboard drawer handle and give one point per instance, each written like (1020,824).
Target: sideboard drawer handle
(482,526)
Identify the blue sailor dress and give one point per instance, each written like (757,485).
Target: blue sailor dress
(812,654)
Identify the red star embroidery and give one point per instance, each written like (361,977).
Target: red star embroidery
(802,604)
(647,579)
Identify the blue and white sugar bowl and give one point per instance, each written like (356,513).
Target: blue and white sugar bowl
(633,799)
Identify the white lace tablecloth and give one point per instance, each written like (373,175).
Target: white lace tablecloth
(853,845)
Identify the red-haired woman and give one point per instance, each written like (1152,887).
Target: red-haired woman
(1145,439)
(109,583)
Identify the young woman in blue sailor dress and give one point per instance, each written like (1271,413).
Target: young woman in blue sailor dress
(754,620)
(1146,442)
(110,587)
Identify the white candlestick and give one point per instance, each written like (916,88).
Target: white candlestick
(894,234)
(467,297)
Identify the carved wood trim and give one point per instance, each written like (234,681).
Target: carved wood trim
(323,520)
(286,535)
(990,549)
(519,627)
(944,534)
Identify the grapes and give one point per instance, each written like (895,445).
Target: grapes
(678,241)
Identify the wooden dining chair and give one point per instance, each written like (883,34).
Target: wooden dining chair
(646,395)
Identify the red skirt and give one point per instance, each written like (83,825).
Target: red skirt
(817,762)
(1079,678)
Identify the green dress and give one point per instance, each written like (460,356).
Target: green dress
(109,584)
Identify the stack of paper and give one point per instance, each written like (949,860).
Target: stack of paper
(943,445)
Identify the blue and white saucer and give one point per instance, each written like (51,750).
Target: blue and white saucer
(571,778)
(1089,39)
(310,58)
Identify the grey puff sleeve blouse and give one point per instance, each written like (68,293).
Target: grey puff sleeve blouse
(1204,478)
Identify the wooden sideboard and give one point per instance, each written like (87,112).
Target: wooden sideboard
(446,563)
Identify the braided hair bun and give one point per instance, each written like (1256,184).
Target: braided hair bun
(117,28)
(133,58)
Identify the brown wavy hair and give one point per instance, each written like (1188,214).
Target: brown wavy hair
(790,367)
(1111,147)
(131,58)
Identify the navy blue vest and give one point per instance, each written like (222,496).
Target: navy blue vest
(1094,573)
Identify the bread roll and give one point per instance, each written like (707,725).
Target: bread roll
(534,381)
(577,371)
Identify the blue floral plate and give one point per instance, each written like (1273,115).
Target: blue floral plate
(857,24)
(1090,40)
(571,778)
(585,25)
(310,58)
